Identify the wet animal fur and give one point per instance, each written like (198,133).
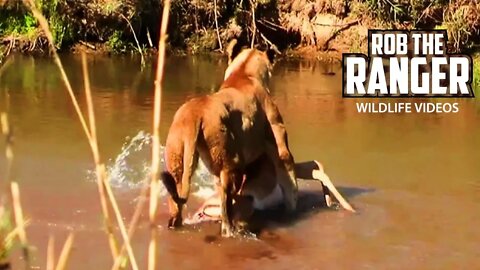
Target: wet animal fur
(228,130)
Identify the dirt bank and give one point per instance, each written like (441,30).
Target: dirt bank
(300,28)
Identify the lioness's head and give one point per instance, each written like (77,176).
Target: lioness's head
(249,62)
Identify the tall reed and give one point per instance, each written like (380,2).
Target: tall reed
(20,222)
(106,194)
(7,132)
(50,254)
(154,183)
(45,27)
(100,168)
(65,253)
(133,223)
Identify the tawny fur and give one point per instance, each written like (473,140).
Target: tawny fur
(229,130)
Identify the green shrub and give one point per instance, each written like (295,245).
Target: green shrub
(476,76)
(116,43)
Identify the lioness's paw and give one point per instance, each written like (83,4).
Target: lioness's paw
(227,231)
(174,222)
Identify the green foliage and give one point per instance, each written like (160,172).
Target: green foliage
(62,30)
(476,76)
(459,27)
(203,41)
(387,9)
(24,24)
(110,7)
(116,42)
(193,26)
(6,239)
(16,20)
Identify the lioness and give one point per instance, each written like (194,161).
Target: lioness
(229,130)
(260,191)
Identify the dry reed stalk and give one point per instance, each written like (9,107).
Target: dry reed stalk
(150,43)
(65,253)
(96,157)
(254,24)
(5,64)
(100,168)
(136,41)
(154,183)
(121,223)
(50,254)
(7,132)
(133,223)
(12,234)
(216,25)
(19,222)
(44,25)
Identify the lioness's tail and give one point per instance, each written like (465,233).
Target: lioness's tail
(171,186)
(182,151)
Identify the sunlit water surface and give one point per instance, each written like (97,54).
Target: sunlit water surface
(414,178)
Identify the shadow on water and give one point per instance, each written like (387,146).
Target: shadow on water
(309,203)
(264,223)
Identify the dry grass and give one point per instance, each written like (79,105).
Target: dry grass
(100,171)
(50,254)
(6,131)
(133,223)
(100,168)
(20,222)
(107,198)
(105,191)
(45,27)
(314,21)
(65,253)
(7,233)
(462,22)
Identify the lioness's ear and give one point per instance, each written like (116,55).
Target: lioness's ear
(271,55)
(233,49)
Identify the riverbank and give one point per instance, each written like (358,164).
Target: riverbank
(298,28)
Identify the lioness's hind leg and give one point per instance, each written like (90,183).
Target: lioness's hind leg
(190,162)
(174,201)
(175,211)
(227,179)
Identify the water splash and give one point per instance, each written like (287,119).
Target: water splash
(131,168)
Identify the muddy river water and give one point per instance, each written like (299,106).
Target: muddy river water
(414,178)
